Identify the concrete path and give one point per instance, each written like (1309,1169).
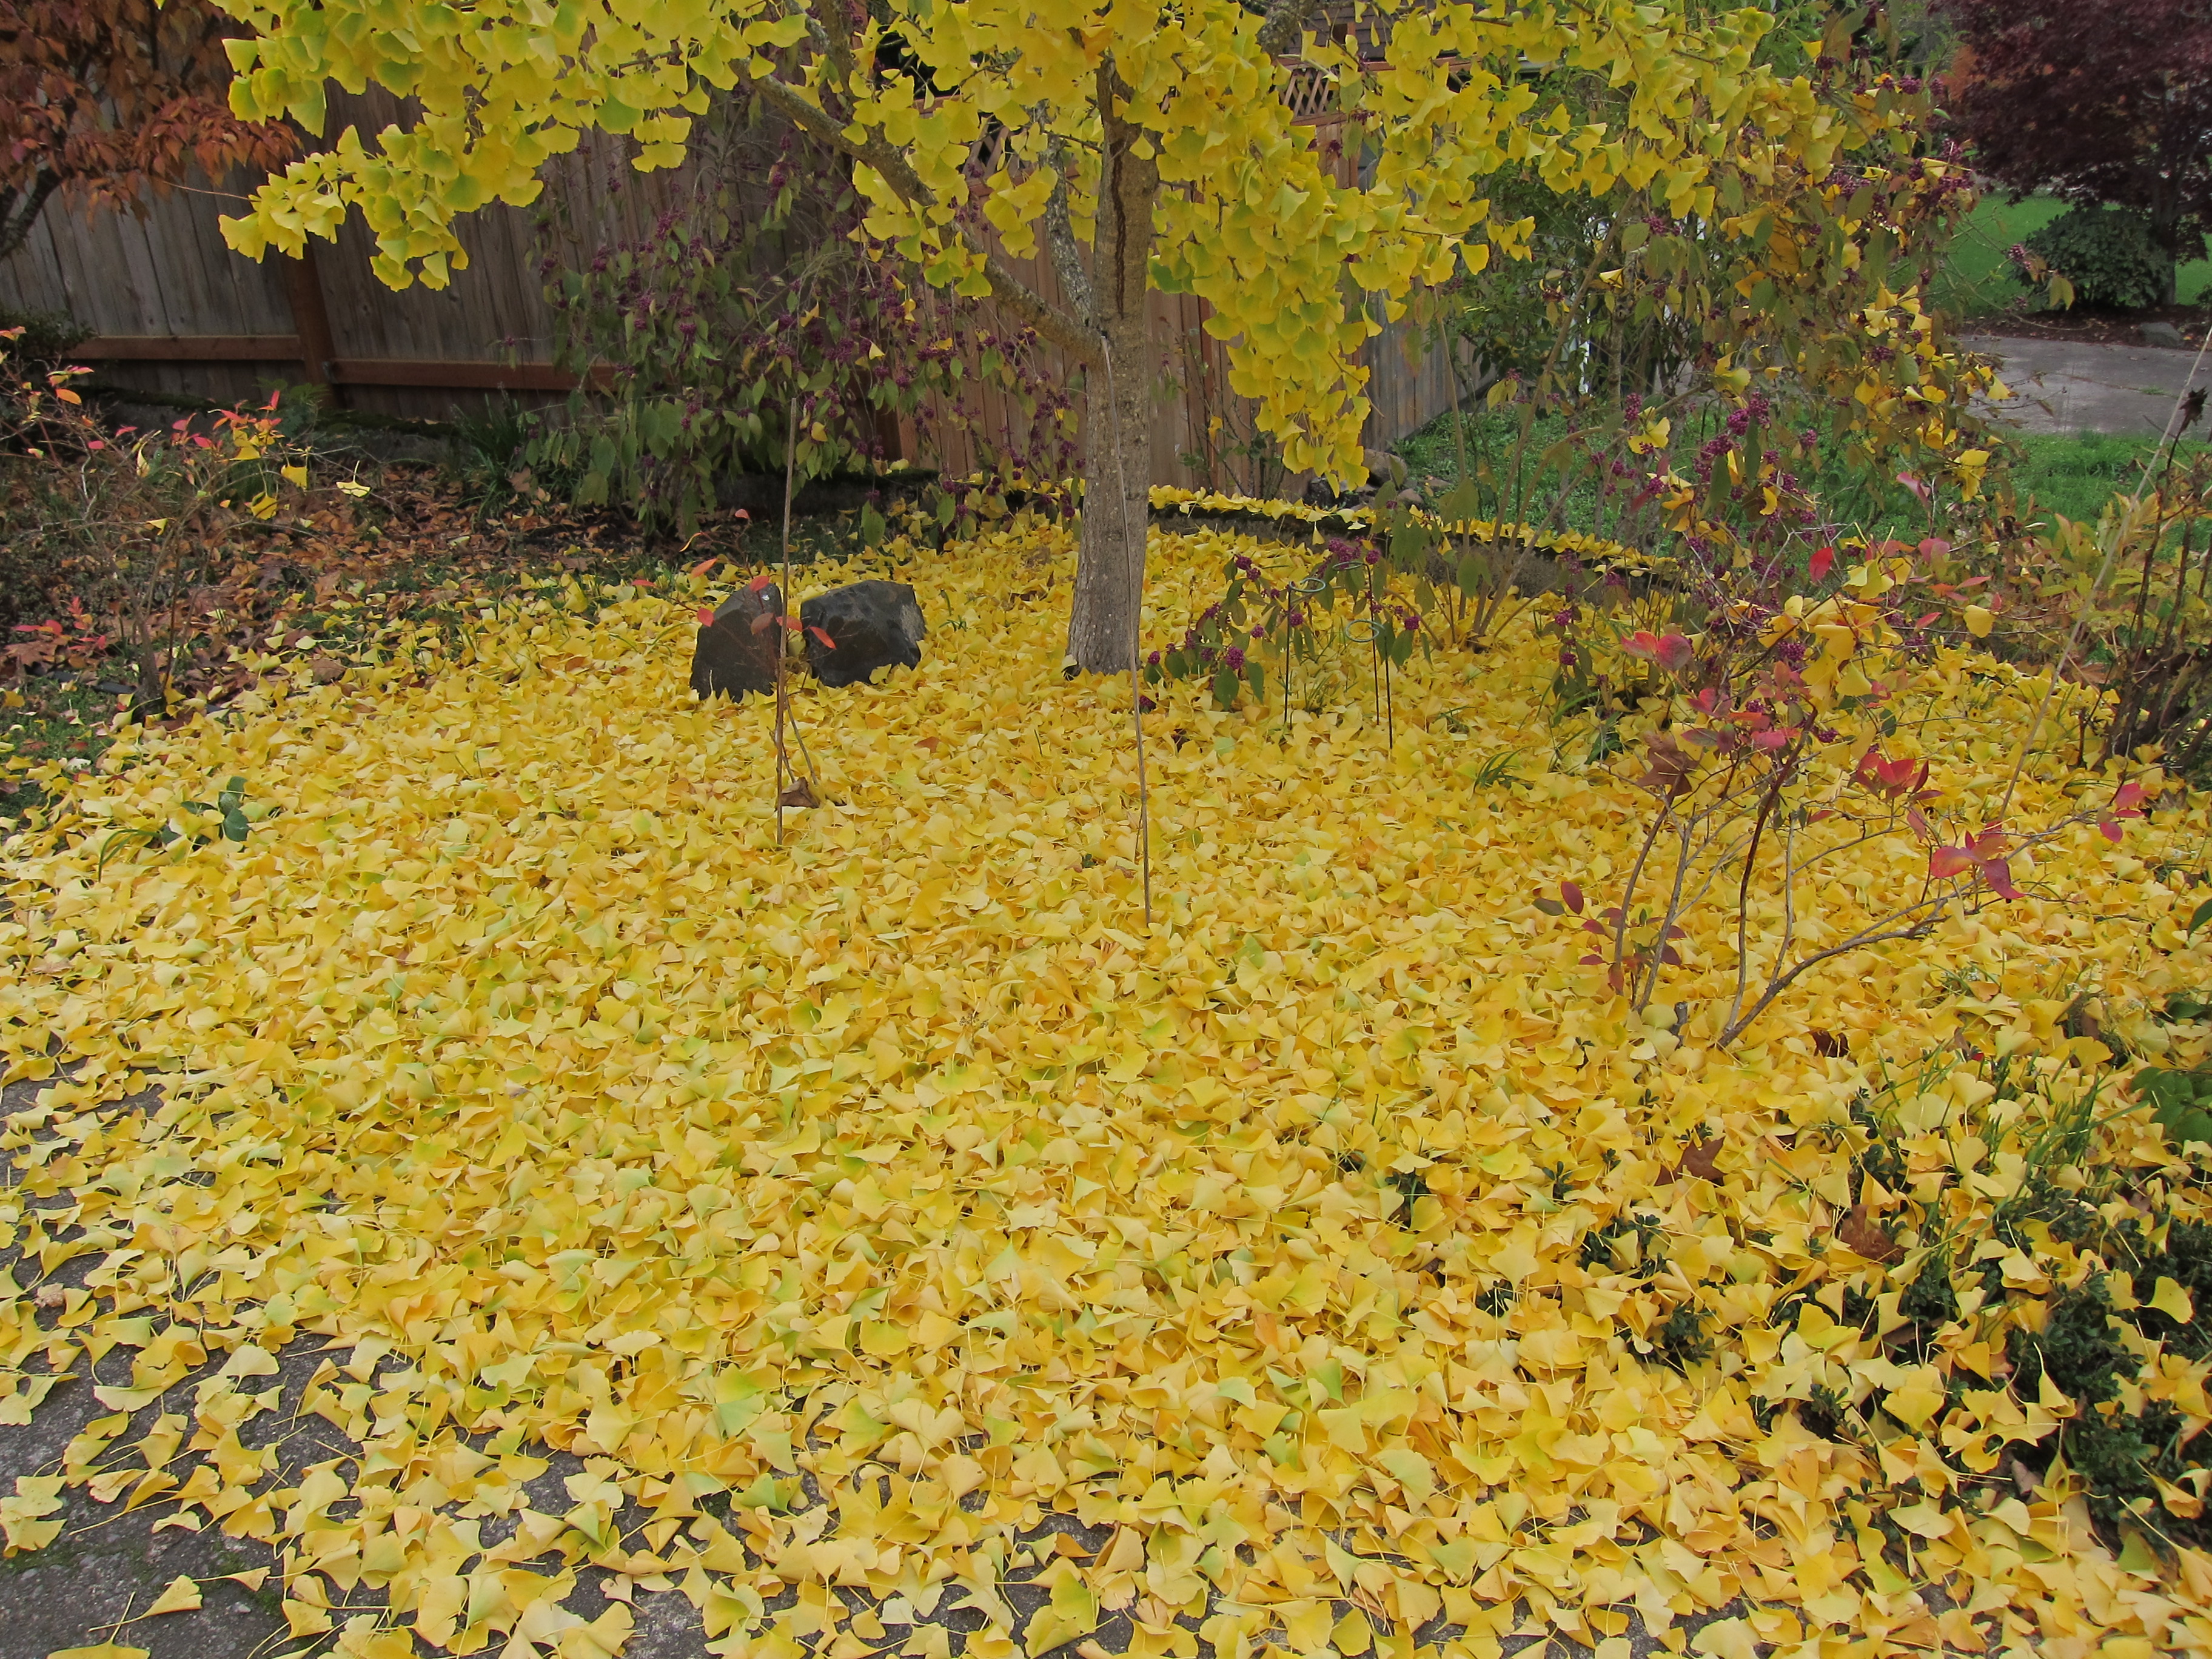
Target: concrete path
(2064,386)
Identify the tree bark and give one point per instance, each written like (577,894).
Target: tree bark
(20,212)
(2165,231)
(1109,577)
(1117,456)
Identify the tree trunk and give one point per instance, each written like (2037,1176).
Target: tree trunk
(18,211)
(2165,231)
(1117,464)
(1109,576)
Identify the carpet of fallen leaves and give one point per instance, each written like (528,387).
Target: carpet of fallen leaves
(887,1191)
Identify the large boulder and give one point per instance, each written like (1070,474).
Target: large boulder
(870,625)
(733,656)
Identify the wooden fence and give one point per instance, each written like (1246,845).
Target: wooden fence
(174,310)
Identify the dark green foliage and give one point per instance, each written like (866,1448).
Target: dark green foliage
(2116,1453)
(1930,1302)
(2116,1457)
(1507,311)
(1882,1158)
(1627,1243)
(2108,254)
(2075,1348)
(1411,1186)
(492,453)
(2187,1261)
(1860,1308)
(1824,1413)
(46,341)
(1680,1338)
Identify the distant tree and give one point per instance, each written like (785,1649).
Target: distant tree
(104,100)
(2096,101)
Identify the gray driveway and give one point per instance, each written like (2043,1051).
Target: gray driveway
(2064,386)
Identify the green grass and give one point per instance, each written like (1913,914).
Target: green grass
(2076,477)
(2071,476)
(1978,279)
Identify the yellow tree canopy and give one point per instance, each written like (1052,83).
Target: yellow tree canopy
(1247,213)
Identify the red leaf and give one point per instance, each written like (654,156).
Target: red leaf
(2129,795)
(1671,652)
(706,618)
(2110,830)
(827,644)
(1944,862)
(760,581)
(702,568)
(1998,874)
(1823,561)
(1572,894)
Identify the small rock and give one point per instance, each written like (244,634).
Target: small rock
(733,656)
(1321,493)
(870,625)
(2163,334)
(1383,467)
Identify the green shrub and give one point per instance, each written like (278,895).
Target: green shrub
(2108,254)
(48,336)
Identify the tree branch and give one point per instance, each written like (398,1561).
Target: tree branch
(1858,941)
(23,207)
(1067,252)
(1008,289)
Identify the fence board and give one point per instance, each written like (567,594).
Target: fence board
(170,273)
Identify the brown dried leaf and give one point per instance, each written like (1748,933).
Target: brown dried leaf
(1701,1160)
(1859,1233)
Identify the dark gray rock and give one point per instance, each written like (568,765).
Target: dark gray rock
(870,625)
(2164,334)
(733,656)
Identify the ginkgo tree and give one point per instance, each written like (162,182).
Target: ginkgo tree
(1138,145)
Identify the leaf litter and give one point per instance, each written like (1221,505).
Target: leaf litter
(1338,1256)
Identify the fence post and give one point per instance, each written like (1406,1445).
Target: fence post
(311,320)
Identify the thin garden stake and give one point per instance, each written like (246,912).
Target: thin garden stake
(813,777)
(1136,607)
(782,606)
